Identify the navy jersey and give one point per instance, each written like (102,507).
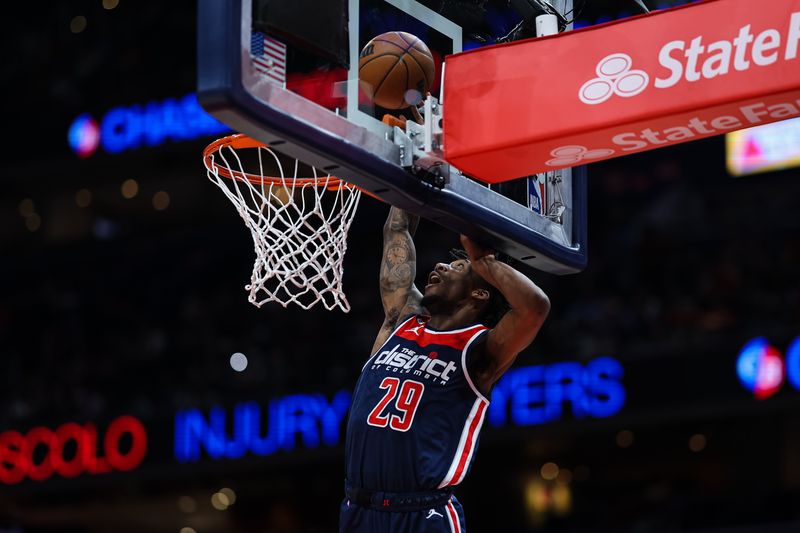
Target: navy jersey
(416,414)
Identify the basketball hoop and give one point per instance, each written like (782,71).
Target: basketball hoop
(298,224)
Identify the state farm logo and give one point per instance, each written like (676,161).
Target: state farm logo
(567,156)
(693,59)
(614,76)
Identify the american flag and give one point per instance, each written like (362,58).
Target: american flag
(268,57)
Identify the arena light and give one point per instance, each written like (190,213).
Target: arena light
(549,471)
(129,189)
(238,362)
(229,493)
(219,501)
(624,438)
(763,148)
(187,504)
(77,24)
(762,370)
(84,135)
(697,442)
(161,200)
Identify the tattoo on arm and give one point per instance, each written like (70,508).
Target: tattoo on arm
(392,316)
(398,266)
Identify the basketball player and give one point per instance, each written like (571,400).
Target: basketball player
(421,399)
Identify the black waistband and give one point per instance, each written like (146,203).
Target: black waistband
(397,501)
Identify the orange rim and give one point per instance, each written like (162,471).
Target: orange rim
(239,141)
(242,141)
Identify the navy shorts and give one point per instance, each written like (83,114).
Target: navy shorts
(442,517)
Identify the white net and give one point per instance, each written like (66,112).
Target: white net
(298,224)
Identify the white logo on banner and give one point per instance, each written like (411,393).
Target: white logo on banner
(566,156)
(614,76)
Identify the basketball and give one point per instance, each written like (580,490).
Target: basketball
(280,195)
(396,70)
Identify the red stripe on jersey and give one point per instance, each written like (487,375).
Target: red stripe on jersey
(462,463)
(451,512)
(425,338)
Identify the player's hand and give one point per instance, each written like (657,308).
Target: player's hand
(475,250)
(481,258)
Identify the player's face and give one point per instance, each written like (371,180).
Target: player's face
(449,282)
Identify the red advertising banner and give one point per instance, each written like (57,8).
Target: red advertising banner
(607,91)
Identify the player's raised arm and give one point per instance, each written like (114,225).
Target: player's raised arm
(399,296)
(528,303)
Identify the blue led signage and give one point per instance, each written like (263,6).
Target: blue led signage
(523,397)
(793,363)
(540,394)
(308,419)
(153,124)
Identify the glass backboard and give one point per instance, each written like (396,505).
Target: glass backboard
(287,74)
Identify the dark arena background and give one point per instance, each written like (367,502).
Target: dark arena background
(143,393)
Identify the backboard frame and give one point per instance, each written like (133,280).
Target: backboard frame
(359,153)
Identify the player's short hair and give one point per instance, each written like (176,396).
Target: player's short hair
(496,305)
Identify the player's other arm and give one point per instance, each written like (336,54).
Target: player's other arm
(529,306)
(399,296)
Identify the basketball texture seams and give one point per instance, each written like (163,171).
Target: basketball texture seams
(384,81)
(405,51)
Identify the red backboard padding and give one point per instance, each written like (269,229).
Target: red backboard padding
(607,91)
